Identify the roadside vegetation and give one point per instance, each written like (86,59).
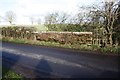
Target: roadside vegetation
(8,74)
(96,48)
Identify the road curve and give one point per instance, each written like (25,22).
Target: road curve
(40,61)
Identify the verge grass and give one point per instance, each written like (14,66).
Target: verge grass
(7,73)
(83,47)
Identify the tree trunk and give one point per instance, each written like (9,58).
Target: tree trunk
(110,40)
(10,22)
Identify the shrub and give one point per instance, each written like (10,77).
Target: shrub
(95,47)
(110,49)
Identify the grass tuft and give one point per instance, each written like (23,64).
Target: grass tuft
(7,73)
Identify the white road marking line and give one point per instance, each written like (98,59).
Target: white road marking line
(39,57)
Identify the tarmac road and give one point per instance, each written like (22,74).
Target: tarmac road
(48,62)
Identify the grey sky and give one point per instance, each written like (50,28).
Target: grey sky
(39,8)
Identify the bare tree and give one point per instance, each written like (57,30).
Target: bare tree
(50,21)
(39,21)
(104,17)
(10,16)
(32,20)
(110,16)
(56,21)
(0,19)
(62,17)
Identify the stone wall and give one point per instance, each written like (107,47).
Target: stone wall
(66,37)
(61,37)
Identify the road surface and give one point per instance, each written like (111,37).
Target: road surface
(46,62)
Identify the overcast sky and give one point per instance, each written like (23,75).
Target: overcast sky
(39,8)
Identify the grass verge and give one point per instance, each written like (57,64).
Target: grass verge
(83,47)
(7,73)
